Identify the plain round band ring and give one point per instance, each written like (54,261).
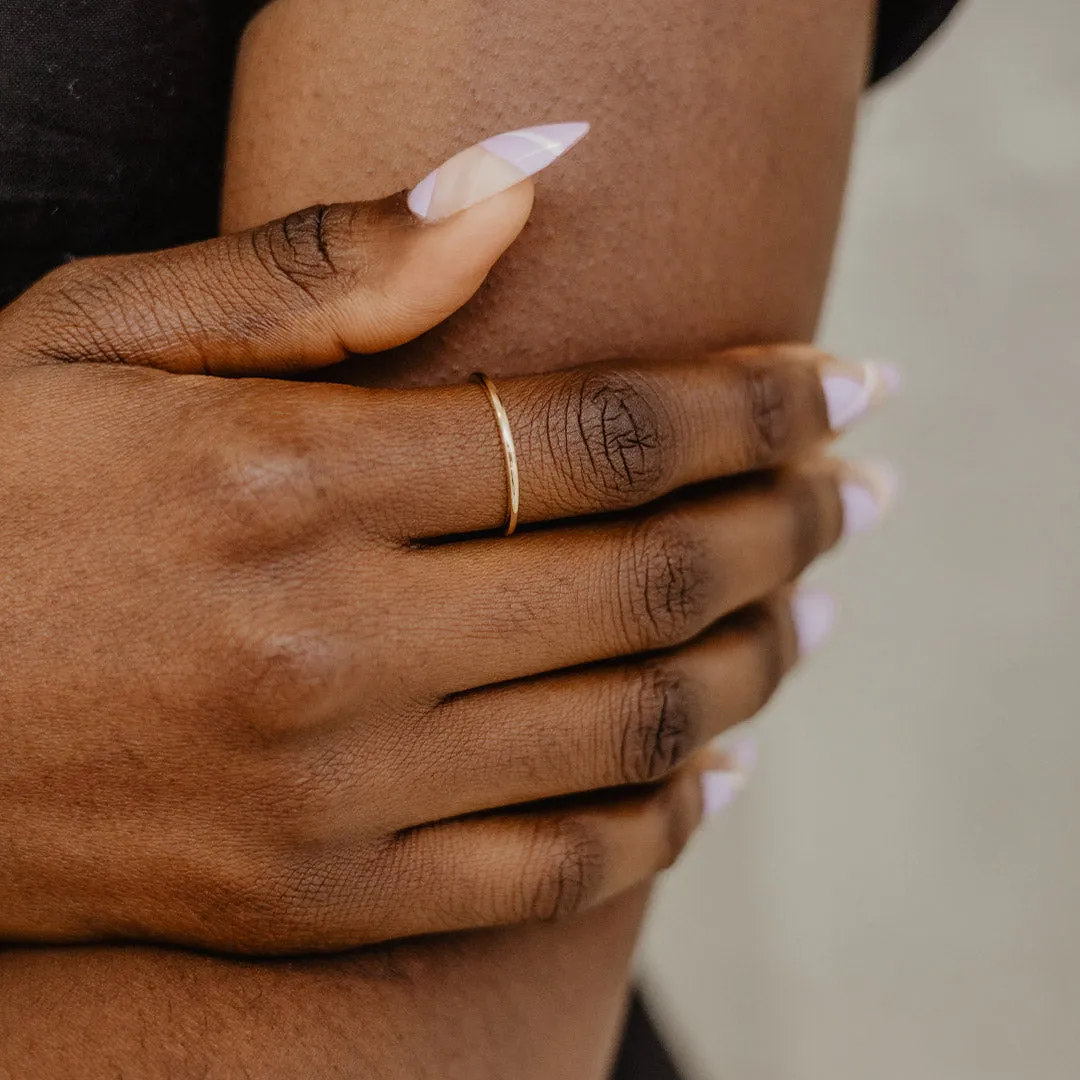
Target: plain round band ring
(513,480)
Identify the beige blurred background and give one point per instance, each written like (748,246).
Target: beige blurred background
(898,895)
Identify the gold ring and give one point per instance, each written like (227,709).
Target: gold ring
(513,481)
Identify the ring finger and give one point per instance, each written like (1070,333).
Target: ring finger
(597,439)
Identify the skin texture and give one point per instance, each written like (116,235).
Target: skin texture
(443,1009)
(700,213)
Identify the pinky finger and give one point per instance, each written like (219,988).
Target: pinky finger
(552,862)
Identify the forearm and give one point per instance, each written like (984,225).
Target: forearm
(446,1009)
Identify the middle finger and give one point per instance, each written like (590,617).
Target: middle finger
(573,595)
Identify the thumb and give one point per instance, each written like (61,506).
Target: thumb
(301,292)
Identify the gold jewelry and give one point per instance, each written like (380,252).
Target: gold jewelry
(513,480)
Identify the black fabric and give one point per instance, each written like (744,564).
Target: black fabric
(112,120)
(642,1055)
(112,124)
(904,26)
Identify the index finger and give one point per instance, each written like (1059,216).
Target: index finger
(607,437)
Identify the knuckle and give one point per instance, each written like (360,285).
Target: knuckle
(300,802)
(659,727)
(262,488)
(285,681)
(299,250)
(769,411)
(665,583)
(63,284)
(282,904)
(571,864)
(288,873)
(267,495)
(620,438)
(75,283)
(331,900)
(231,895)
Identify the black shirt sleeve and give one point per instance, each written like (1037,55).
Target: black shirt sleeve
(904,26)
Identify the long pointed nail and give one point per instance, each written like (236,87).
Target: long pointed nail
(721,786)
(867,493)
(813,614)
(491,166)
(852,389)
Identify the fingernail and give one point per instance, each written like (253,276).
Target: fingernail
(721,787)
(851,389)
(489,167)
(813,613)
(867,493)
(741,748)
(891,377)
(718,791)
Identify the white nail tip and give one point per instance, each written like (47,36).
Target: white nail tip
(720,787)
(533,149)
(891,377)
(420,196)
(744,752)
(489,167)
(814,614)
(848,394)
(867,495)
(861,509)
(845,400)
(718,791)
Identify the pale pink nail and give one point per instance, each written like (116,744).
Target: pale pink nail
(491,166)
(851,389)
(718,791)
(813,613)
(741,747)
(867,493)
(890,376)
(720,787)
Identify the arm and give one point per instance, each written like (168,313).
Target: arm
(448,1009)
(701,212)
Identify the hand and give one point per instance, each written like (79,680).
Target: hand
(247,704)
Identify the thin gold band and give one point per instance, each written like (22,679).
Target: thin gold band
(513,481)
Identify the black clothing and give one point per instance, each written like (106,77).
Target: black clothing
(904,26)
(642,1055)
